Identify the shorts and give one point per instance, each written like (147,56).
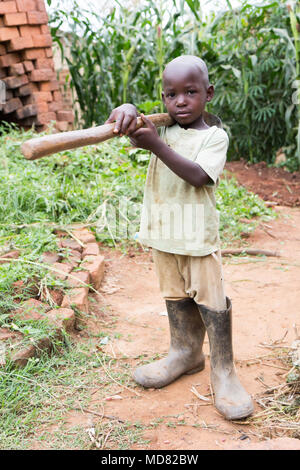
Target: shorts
(198,277)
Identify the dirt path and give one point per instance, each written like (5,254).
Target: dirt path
(266,297)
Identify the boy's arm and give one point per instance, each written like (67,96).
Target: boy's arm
(148,138)
(125,118)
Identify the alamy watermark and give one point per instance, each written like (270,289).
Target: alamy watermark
(167,221)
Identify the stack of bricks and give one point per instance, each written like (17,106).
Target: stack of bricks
(33,96)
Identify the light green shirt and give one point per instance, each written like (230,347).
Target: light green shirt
(176,216)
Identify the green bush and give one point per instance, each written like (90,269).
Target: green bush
(252,53)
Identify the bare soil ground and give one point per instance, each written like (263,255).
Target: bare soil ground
(265,296)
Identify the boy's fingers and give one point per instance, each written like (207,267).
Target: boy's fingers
(125,124)
(118,124)
(132,127)
(147,121)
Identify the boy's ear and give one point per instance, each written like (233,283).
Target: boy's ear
(163,97)
(210,93)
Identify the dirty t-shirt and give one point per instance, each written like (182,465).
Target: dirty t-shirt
(176,216)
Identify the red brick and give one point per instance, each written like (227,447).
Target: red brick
(12,105)
(7,256)
(64,318)
(50,257)
(28,66)
(16,82)
(42,107)
(91,249)
(15,19)
(41,75)
(53,85)
(27,89)
(6,34)
(77,298)
(63,270)
(9,95)
(41,5)
(65,116)
(31,54)
(42,40)
(84,235)
(45,118)
(37,17)
(32,309)
(49,52)
(29,122)
(25,5)
(62,126)
(69,243)
(29,30)
(45,29)
(9,59)
(44,64)
(57,96)
(78,279)
(17,69)
(7,7)
(2,49)
(19,44)
(95,266)
(39,97)
(27,111)
(56,106)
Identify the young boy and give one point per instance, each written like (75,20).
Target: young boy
(180,223)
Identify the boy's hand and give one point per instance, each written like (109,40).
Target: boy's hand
(145,137)
(125,118)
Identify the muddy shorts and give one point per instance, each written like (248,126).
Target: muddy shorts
(198,277)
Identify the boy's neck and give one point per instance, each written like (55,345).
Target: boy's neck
(199,124)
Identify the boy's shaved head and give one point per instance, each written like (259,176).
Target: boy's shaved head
(186,61)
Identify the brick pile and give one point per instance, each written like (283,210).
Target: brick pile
(33,95)
(81,265)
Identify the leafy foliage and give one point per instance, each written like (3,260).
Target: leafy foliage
(252,53)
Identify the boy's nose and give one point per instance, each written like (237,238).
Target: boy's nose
(180,100)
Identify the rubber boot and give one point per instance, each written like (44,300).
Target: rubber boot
(185,355)
(231,399)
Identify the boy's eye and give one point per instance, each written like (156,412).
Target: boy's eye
(191,92)
(171,94)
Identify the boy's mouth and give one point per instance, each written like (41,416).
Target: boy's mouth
(183,114)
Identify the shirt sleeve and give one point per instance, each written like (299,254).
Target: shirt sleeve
(212,157)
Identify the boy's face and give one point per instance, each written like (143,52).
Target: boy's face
(186,92)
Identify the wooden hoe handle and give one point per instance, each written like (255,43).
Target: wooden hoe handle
(49,144)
